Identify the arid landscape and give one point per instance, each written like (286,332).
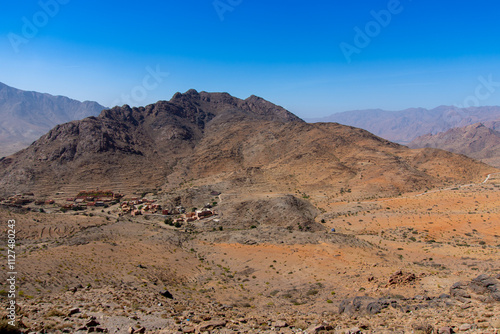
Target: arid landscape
(212,214)
(233,167)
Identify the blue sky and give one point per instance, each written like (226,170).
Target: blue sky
(408,53)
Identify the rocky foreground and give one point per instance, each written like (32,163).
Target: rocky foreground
(472,307)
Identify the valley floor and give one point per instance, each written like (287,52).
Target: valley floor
(393,265)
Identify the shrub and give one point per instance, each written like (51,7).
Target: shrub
(55,313)
(312,292)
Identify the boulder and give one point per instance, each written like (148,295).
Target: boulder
(166,294)
(484,288)
(464,327)
(445,330)
(209,325)
(314,329)
(280,324)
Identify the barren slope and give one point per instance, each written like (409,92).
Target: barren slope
(220,140)
(476,141)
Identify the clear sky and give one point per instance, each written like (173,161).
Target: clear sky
(314,58)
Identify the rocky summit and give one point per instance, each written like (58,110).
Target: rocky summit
(202,136)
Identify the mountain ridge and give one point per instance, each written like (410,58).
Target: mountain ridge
(26,115)
(225,143)
(476,141)
(405,125)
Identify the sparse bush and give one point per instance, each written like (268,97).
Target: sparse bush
(312,292)
(55,313)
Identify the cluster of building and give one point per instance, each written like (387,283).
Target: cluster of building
(134,206)
(141,206)
(92,199)
(138,207)
(18,199)
(195,215)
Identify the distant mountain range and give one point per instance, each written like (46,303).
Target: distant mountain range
(406,125)
(229,145)
(476,141)
(25,116)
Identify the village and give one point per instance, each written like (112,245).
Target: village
(133,206)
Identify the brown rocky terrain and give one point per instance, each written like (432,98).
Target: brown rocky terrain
(314,228)
(476,141)
(25,116)
(225,142)
(420,262)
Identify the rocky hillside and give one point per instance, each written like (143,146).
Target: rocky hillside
(229,144)
(405,125)
(25,116)
(475,141)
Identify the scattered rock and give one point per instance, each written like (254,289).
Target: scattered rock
(365,304)
(445,330)
(280,324)
(483,288)
(423,328)
(167,294)
(92,323)
(74,310)
(188,329)
(464,327)
(314,329)
(209,325)
(401,278)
